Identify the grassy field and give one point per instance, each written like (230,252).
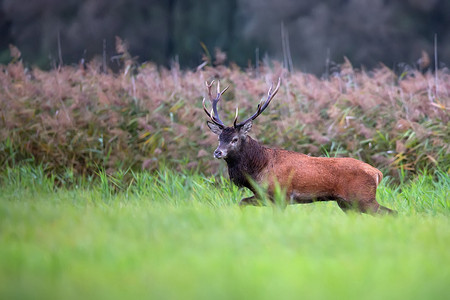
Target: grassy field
(182,236)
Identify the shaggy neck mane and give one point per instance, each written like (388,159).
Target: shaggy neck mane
(248,162)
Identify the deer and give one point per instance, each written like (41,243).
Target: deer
(302,178)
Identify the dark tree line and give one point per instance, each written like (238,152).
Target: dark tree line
(366,31)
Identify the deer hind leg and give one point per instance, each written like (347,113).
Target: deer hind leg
(367,203)
(373,207)
(358,205)
(362,200)
(344,205)
(386,211)
(369,206)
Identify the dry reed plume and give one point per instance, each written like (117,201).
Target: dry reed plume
(83,118)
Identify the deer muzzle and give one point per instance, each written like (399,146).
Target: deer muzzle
(218,153)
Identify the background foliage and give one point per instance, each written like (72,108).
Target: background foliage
(366,31)
(85,118)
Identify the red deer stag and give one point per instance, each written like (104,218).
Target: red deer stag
(349,182)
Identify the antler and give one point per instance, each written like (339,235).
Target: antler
(214,118)
(261,106)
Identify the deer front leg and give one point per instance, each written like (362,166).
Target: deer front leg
(250,201)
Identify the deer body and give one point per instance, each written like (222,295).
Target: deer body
(349,182)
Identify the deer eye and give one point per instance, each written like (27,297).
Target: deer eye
(234,140)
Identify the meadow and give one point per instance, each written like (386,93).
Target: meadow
(178,235)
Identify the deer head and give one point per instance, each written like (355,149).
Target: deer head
(232,138)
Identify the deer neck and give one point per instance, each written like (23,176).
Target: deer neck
(249,162)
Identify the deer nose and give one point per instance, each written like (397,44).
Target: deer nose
(218,153)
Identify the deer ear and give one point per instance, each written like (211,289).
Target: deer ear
(214,127)
(246,128)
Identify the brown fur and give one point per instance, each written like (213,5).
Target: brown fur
(350,182)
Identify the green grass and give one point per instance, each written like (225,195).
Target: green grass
(182,236)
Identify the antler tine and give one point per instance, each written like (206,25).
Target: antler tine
(214,115)
(236,116)
(210,115)
(271,94)
(208,87)
(262,105)
(205,109)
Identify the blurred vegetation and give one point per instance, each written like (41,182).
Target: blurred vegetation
(175,235)
(316,33)
(87,118)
